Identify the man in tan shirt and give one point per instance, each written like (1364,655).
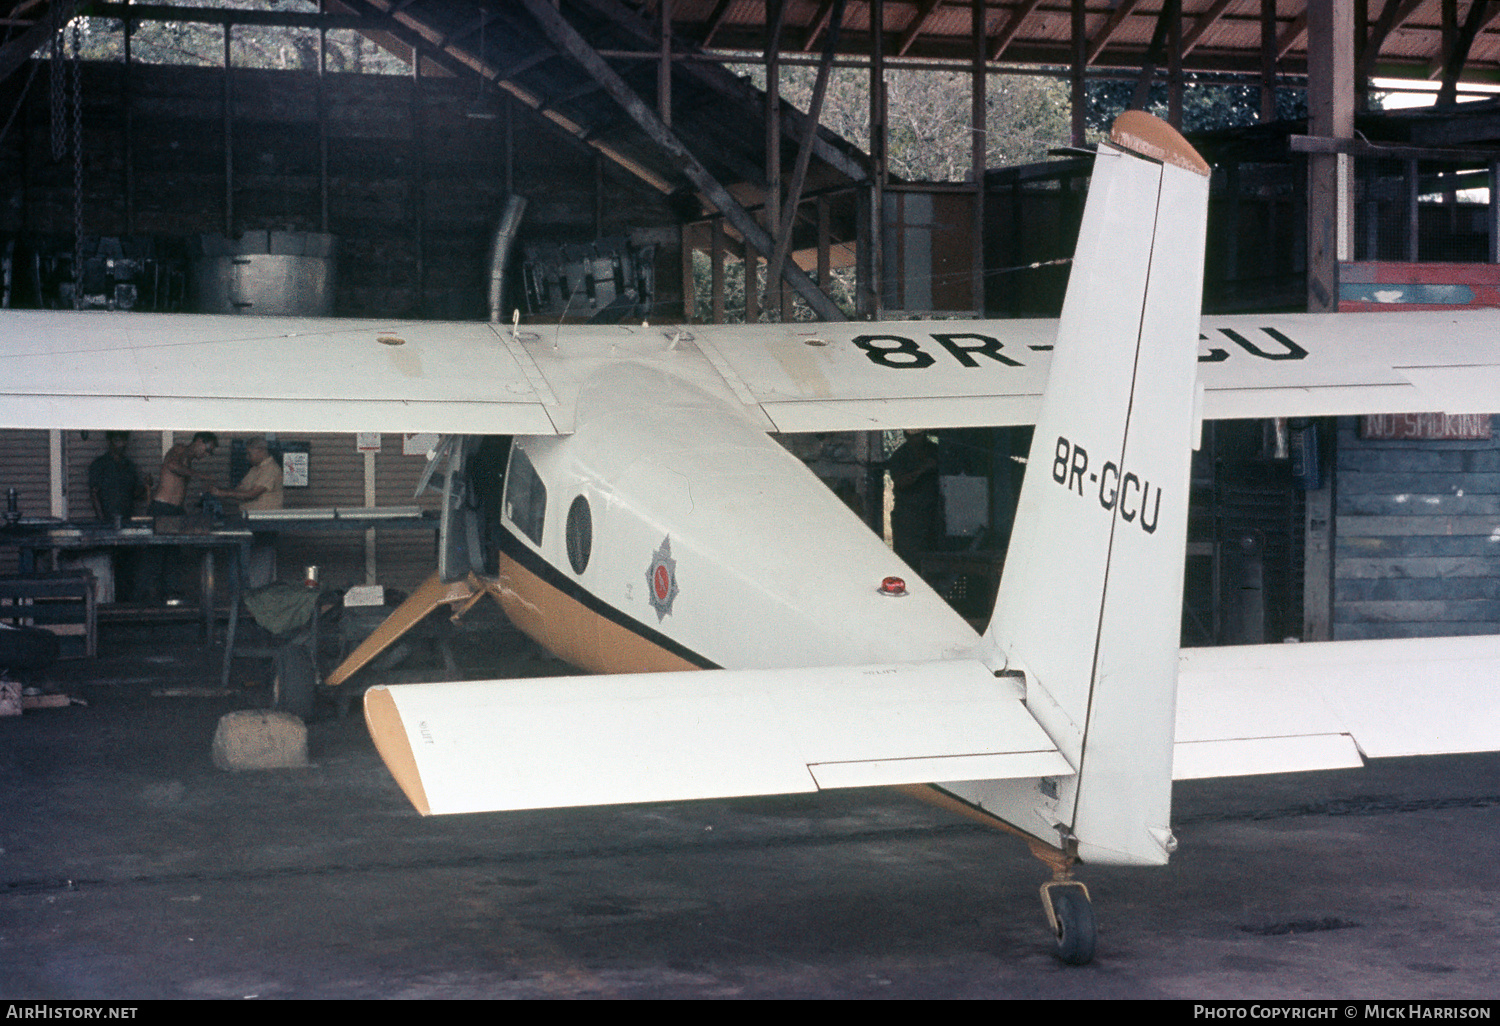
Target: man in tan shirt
(260,488)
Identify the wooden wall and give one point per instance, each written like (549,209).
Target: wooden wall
(336,477)
(24,467)
(416,176)
(1417,537)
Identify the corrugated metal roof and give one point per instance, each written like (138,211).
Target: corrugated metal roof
(720,117)
(1223,35)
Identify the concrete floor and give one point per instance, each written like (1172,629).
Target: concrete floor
(130,868)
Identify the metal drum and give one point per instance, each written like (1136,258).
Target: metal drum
(266,273)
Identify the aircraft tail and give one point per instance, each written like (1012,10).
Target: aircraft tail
(1090,603)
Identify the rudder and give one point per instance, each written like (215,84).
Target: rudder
(1090,602)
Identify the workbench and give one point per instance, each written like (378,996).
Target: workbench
(232,539)
(40,541)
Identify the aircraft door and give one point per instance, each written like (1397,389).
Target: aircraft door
(487,487)
(473,482)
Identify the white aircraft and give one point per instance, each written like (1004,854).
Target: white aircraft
(648,525)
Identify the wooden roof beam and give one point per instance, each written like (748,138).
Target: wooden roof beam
(818,24)
(716,78)
(1012,27)
(1391,18)
(804,153)
(16,52)
(419,32)
(925,10)
(1155,53)
(1112,25)
(715,22)
(1447,38)
(1292,35)
(1450,31)
(1207,20)
(567,39)
(776,21)
(1481,15)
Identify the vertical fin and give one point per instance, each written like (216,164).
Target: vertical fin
(1090,603)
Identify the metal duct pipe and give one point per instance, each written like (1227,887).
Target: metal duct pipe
(505,242)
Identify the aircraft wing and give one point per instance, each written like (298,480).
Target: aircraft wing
(65,369)
(163,372)
(521,744)
(1282,708)
(825,377)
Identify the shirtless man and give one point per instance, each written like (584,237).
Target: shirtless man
(167,501)
(176,472)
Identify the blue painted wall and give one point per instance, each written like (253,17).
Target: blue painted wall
(1417,537)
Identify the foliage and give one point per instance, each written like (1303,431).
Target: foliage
(928,116)
(1206,106)
(840,290)
(199,44)
(928,113)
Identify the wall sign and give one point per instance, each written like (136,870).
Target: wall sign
(1435,427)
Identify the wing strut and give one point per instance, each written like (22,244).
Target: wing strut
(460,595)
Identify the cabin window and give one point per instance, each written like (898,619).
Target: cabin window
(525,496)
(580,534)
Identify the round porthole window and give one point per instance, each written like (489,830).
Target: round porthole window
(580,534)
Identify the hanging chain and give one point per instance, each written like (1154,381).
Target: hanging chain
(59,95)
(77,163)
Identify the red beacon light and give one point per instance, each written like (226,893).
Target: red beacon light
(893,586)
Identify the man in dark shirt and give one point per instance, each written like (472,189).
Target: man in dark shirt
(114,483)
(115,487)
(918,505)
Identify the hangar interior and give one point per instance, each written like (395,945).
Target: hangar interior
(228,157)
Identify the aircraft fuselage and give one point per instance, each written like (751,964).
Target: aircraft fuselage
(667,533)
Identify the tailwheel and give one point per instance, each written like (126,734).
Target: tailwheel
(1072,917)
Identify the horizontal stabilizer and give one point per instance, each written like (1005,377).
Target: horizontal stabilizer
(1283,708)
(494,745)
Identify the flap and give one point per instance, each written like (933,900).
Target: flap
(1248,756)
